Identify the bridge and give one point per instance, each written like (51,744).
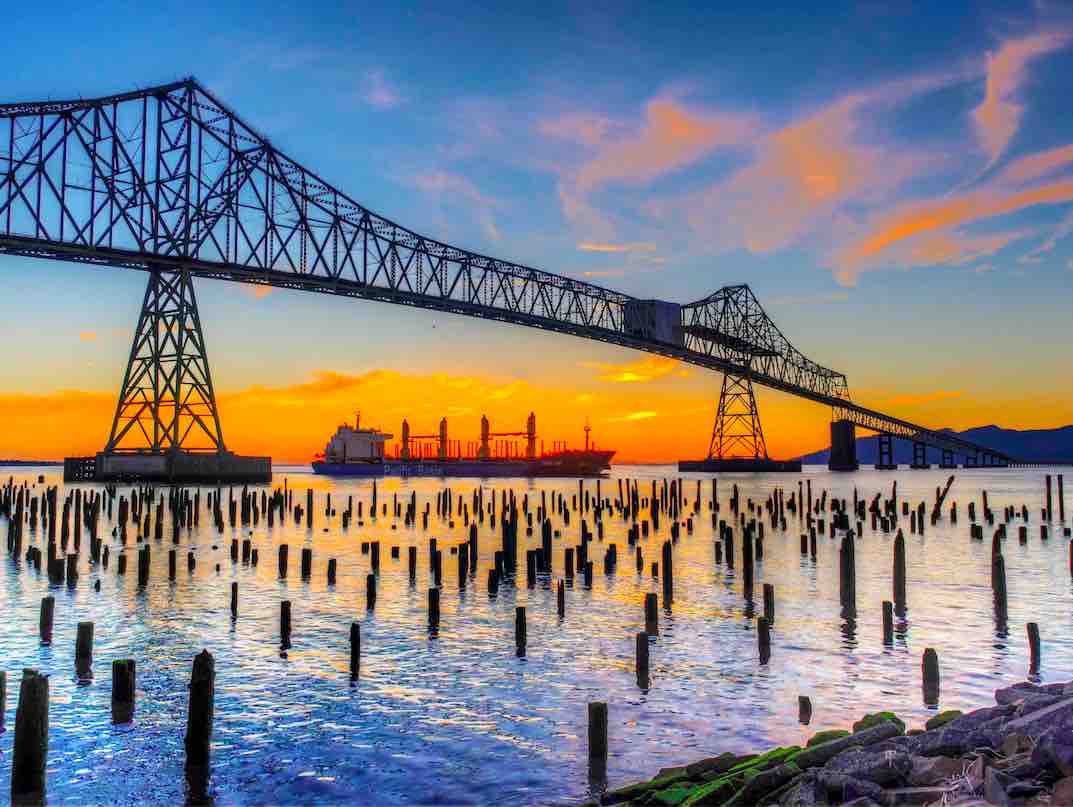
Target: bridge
(169,181)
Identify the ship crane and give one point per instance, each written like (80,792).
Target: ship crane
(529,434)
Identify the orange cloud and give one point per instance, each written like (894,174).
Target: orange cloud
(999,114)
(647,369)
(672,137)
(585,246)
(1036,166)
(87,336)
(945,214)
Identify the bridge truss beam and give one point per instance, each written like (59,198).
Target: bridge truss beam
(169,178)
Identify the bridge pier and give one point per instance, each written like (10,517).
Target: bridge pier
(948,459)
(920,456)
(886,453)
(843,446)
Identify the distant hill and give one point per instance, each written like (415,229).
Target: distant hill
(1031,445)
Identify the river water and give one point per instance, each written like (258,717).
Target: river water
(459,718)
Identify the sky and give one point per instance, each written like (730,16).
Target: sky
(893,180)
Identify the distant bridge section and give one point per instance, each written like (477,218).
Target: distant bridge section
(170,181)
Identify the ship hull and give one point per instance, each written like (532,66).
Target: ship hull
(348,468)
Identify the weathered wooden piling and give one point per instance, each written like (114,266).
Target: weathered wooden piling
(899,572)
(283,550)
(433,608)
(234,600)
(285,624)
(668,575)
(651,614)
(560,599)
(48,608)
(930,674)
(123,689)
(641,642)
(763,635)
(1033,647)
(30,753)
(307,563)
(804,710)
(888,622)
(200,710)
(84,650)
(331,571)
(598,731)
(355,650)
(370,591)
(769,603)
(520,635)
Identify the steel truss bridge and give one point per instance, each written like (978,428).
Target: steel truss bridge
(170,181)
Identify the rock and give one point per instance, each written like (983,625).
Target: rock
(767,782)
(874,719)
(804,792)
(1063,791)
(1067,689)
(1021,766)
(942,719)
(1036,702)
(974,774)
(995,784)
(671,796)
(1023,790)
(883,768)
(1015,743)
(838,788)
(928,771)
(1012,694)
(819,755)
(714,765)
(821,737)
(1055,750)
(671,773)
(863,801)
(919,795)
(1059,714)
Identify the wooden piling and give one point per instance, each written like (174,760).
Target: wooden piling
(433,608)
(30,753)
(804,710)
(370,591)
(899,572)
(123,689)
(307,563)
(642,660)
(930,673)
(200,710)
(520,637)
(84,650)
(234,600)
(283,550)
(560,597)
(355,650)
(331,571)
(1033,647)
(888,622)
(769,603)
(285,624)
(763,631)
(48,608)
(598,731)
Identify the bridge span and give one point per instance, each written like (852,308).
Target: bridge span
(170,181)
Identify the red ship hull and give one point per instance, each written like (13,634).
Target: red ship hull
(571,463)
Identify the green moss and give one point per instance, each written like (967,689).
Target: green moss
(913,732)
(874,719)
(821,737)
(714,792)
(671,795)
(942,719)
(766,760)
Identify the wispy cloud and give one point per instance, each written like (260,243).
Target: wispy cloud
(379,92)
(448,184)
(647,369)
(87,336)
(586,246)
(589,130)
(998,116)
(644,414)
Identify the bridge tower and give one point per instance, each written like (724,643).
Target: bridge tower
(737,433)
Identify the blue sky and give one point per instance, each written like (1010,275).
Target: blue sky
(661,150)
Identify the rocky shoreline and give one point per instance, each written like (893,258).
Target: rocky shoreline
(1018,752)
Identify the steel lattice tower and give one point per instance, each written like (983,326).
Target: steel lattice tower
(167,402)
(737,432)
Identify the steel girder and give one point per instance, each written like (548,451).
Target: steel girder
(169,178)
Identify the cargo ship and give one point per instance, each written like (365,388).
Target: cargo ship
(353,451)
(360,452)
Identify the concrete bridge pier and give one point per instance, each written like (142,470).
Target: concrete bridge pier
(920,456)
(886,453)
(843,446)
(948,459)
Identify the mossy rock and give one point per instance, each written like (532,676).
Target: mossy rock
(765,760)
(913,732)
(874,719)
(821,737)
(942,719)
(670,796)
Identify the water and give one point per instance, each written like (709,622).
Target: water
(459,718)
